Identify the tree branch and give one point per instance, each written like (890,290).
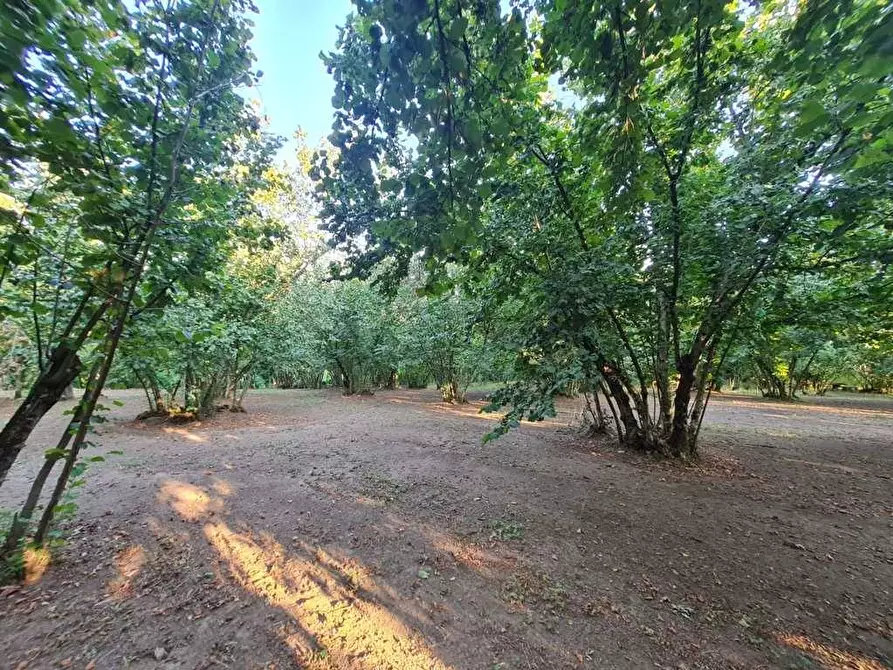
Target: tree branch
(540,155)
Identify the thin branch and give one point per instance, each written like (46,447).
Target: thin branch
(37,337)
(789,220)
(643,393)
(540,155)
(97,132)
(449,94)
(72,321)
(156,113)
(700,48)
(52,254)
(60,277)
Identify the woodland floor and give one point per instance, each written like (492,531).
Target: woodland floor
(318,531)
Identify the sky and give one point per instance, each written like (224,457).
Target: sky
(295,89)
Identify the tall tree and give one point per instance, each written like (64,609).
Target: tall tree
(126,116)
(631,170)
(134,117)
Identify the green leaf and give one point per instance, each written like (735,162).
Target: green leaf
(812,115)
(458,28)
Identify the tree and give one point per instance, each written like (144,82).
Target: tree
(704,148)
(440,336)
(349,324)
(134,117)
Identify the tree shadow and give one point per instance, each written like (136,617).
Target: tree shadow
(342,617)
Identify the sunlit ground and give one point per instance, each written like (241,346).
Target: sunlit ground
(36,561)
(185,434)
(333,602)
(803,406)
(830,657)
(330,611)
(190,502)
(128,565)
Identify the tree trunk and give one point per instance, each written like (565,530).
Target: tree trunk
(157,396)
(662,369)
(632,432)
(189,399)
(20,521)
(598,423)
(451,393)
(87,405)
(610,403)
(64,366)
(678,444)
(19,382)
(704,385)
(346,381)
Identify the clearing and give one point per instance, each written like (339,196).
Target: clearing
(370,533)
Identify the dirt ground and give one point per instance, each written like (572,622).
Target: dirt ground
(319,532)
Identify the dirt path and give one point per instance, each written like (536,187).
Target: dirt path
(375,533)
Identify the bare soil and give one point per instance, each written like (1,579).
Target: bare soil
(371,533)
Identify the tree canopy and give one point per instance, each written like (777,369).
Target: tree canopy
(633,202)
(633,172)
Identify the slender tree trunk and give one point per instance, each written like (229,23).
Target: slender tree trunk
(801,376)
(792,378)
(88,403)
(19,382)
(678,443)
(20,521)
(662,369)
(610,401)
(157,396)
(346,380)
(632,433)
(241,401)
(602,424)
(188,386)
(148,397)
(598,423)
(64,366)
(173,396)
(703,385)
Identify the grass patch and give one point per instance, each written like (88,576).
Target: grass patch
(381,487)
(506,529)
(11,567)
(535,589)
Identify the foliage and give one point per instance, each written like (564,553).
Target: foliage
(441,336)
(347,324)
(213,334)
(629,201)
(688,153)
(120,127)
